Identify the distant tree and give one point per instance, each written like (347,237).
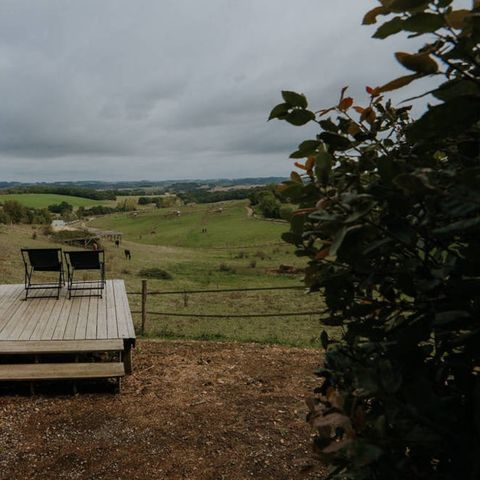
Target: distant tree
(15,211)
(145,200)
(127,205)
(61,208)
(4,218)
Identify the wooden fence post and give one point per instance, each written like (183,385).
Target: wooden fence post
(144,305)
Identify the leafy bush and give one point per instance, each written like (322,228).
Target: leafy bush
(14,212)
(61,208)
(389,217)
(156,273)
(223,267)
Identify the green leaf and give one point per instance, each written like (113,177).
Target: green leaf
(300,117)
(328,125)
(295,99)
(309,146)
(296,224)
(323,166)
(402,5)
(306,148)
(298,154)
(335,142)
(280,111)
(459,226)
(340,237)
(413,184)
(389,28)
(456,88)
(293,191)
(447,119)
(423,23)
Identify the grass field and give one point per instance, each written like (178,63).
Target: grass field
(43,200)
(236,252)
(227,225)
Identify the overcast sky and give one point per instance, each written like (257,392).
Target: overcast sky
(164,89)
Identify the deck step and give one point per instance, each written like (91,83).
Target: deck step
(61,371)
(36,347)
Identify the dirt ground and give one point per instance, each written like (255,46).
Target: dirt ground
(191,410)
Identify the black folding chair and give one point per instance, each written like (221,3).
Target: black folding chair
(85,260)
(43,260)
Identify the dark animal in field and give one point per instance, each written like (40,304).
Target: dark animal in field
(128,255)
(117,243)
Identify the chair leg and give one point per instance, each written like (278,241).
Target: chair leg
(28,281)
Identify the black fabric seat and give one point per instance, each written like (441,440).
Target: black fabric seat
(42,260)
(85,260)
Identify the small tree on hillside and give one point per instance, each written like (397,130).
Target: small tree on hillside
(389,217)
(15,211)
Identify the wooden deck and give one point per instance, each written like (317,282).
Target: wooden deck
(82,318)
(33,330)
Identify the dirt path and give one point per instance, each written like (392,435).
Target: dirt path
(192,410)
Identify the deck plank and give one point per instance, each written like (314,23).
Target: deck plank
(102,332)
(72,320)
(81,328)
(120,308)
(13,303)
(92,318)
(42,320)
(27,323)
(7,294)
(39,317)
(61,323)
(112,328)
(45,332)
(20,317)
(60,346)
(60,371)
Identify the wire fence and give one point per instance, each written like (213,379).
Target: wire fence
(145,312)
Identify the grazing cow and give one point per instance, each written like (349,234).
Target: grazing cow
(117,243)
(128,255)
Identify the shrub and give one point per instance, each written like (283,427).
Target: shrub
(223,267)
(389,217)
(156,273)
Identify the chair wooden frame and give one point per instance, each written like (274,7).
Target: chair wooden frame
(43,260)
(85,260)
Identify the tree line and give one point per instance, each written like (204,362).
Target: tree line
(71,191)
(14,212)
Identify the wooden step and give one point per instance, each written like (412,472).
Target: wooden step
(36,347)
(61,371)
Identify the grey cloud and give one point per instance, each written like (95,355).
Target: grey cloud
(116,89)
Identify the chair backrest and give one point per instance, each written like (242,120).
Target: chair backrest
(44,259)
(84,259)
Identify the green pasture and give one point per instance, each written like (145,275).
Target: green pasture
(237,251)
(43,200)
(227,225)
